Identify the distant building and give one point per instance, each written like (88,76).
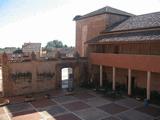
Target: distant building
(65,52)
(28,48)
(9,50)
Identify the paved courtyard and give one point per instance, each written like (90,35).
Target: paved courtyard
(83,105)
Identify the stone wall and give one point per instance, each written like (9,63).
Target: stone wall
(34,76)
(37,76)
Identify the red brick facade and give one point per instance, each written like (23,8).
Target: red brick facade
(87,29)
(117,44)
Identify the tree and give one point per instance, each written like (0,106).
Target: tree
(1,50)
(54,44)
(18,51)
(65,46)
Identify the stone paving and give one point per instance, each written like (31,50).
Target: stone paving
(82,105)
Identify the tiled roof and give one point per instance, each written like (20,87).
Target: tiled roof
(131,36)
(32,45)
(126,29)
(103,10)
(140,21)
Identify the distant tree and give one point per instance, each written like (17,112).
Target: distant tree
(54,44)
(18,51)
(1,50)
(65,46)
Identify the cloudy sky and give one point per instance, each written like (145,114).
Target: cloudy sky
(45,20)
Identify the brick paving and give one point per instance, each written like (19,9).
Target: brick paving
(14,108)
(134,115)
(97,101)
(65,99)
(52,111)
(112,108)
(29,115)
(129,102)
(111,118)
(84,95)
(75,106)
(67,117)
(151,110)
(43,103)
(83,105)
(92,114)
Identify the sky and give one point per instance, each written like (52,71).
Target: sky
(46,20)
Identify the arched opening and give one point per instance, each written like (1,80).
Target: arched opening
(66,78)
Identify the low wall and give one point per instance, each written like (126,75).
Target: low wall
(31,77)
(37,76)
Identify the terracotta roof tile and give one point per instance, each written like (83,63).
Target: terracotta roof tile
(131,36)
(140,21)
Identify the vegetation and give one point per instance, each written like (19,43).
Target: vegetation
(43,76)
(21,75)
(1,50)
(18,51)
(54,44)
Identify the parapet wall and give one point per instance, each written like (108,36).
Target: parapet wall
(34,76)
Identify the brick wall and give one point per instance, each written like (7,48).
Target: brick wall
(90,27)
(36,76)
(87,29)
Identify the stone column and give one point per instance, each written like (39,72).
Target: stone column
(148,84)
(101,76)
(129,82)
(114,79)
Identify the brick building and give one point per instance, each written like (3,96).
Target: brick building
(122,48)
(28,48)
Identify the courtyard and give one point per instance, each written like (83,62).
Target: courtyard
(81,105)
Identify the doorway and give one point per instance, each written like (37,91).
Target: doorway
(66,74)
(133,85)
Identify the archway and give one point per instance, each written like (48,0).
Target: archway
(66,77)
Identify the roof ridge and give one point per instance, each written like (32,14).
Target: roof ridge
(103,10)
(139,35)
